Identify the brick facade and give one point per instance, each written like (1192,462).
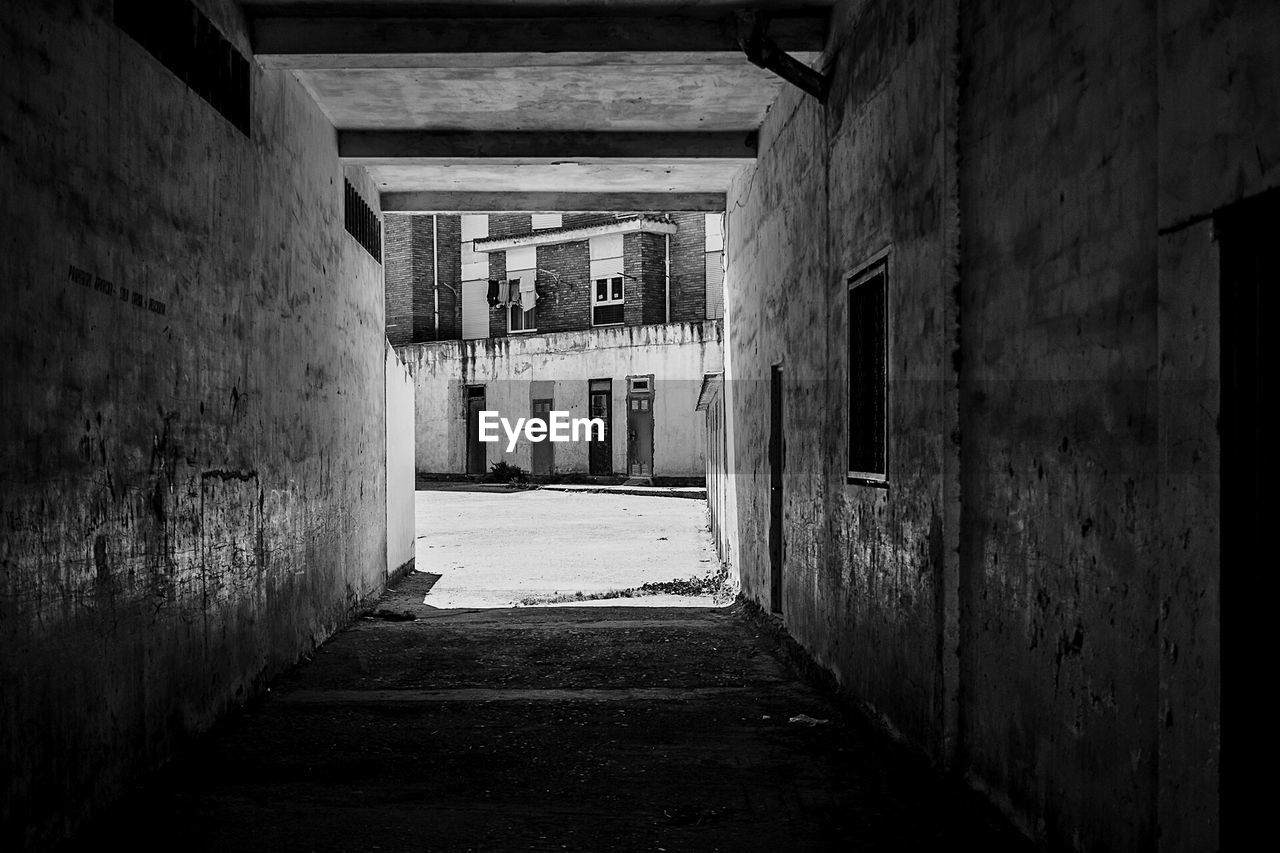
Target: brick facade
(563,276)
(409,265)
(503,225)
(689,268)
(397,263)
(450,255)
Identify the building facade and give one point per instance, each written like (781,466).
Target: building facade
(598,315)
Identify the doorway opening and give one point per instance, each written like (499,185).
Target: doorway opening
(600,451)
(542,454)
(777,464)
(476,454)
(1249,269)
(640,400)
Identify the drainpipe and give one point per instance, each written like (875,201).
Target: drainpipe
(435,272)
(667,284)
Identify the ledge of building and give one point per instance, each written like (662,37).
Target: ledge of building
(675,333)
(551,237)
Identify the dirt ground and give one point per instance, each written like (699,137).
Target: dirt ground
(549,729)
(566,543)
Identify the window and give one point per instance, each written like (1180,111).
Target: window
(522,321)
(520,296)
(519,318)
(543,221)
(606,301)
(868,374)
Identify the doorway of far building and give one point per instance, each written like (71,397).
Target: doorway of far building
(600,449)
(475,447)
(542,459)
(640,426)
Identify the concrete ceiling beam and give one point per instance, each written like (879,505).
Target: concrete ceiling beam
(541,202)
(392,145)
(315,42)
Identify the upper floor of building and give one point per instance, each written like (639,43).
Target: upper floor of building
(469,276)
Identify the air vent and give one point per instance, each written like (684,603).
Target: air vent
(362,223)
(188,44)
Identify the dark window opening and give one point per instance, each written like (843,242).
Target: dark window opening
(868,374)
(362,223)
(607,301)
(522,320)
(188,44)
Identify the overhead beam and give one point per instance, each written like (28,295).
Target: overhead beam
(567,202)
(391,145)
(306,42)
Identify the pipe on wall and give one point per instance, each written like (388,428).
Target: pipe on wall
(667,283)
(435,273)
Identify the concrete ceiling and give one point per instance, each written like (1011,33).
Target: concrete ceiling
(666,76)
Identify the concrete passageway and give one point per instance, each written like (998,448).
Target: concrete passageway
(953,309)
(550,729)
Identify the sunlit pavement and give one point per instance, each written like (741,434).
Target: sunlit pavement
(499,549)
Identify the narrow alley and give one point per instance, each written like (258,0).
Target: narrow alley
(606,425)
(572,728)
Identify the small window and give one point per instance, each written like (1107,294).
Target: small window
(543,221)
(519,317)
(607,299)
(520,320)
(868,374)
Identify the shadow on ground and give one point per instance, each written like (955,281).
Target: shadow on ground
(535,729)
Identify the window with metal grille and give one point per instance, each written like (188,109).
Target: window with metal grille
(607,299)
(362,223)
(184,41)
(868,374)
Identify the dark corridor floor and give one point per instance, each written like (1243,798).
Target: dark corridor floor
(581,729)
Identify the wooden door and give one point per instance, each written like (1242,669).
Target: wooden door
(640,435)
(600,452)
(542,453)
(476,456)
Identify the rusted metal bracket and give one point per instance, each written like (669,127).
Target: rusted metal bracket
(761,50)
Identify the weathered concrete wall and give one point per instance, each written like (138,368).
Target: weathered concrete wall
(720,493)
(1034,596)
(866,600)
(1059,418)
(194,498)
(677,355)
(401,510)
